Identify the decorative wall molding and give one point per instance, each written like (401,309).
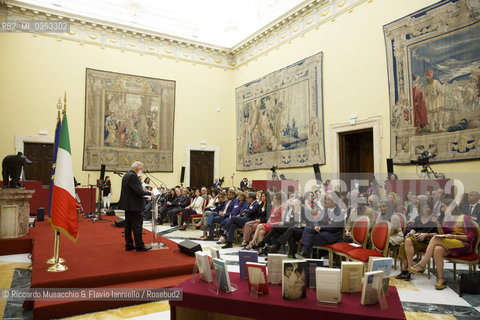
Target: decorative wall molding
(90,31)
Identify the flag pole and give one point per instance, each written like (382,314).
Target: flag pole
(56,234)
(57,266)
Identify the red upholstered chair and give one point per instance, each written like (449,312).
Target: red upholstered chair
(471,259)
(380,238)
(360,230)
(195,218)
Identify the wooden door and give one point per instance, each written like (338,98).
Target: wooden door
(41,155)
(201,168)
(356,155)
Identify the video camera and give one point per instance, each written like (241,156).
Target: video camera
(423,159)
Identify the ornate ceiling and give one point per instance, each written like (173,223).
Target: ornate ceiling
(275,28)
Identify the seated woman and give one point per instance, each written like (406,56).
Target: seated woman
(250,227)
(211,204)
(291,217)
(221,197)
(458,239)
(423,229)
(275,218)
(387,214)
(196,207)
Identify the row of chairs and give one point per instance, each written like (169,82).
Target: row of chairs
(379,237)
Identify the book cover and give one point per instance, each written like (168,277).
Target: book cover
(351,276)
(275,267)
(372,287)
(379,263)
(328,283)
(245,256)
(214,253)
(221,274)
(203,266)
(294,282)
(312,265)
(257,276)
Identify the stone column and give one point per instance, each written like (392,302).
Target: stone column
(14,212)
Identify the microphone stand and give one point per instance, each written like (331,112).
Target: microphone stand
(156,245)
(158,180)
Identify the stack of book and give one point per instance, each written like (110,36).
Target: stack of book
(203,265)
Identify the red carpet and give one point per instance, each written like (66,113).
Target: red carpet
(99,259)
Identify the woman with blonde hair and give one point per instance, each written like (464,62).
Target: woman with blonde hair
(458,236)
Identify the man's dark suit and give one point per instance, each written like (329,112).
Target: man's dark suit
(178,204)
(331,230)
(473,213)
(131,200)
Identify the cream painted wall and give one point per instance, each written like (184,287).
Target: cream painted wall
(37,70)
(355,74)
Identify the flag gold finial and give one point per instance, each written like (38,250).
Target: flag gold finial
(59,104)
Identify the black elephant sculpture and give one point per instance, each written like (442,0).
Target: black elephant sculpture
(12,168)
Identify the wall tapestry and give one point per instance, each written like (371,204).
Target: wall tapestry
(128,118)
(434,82)
(280,118)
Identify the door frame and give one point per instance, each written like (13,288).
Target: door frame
(20,144)
(20,141)
(335,129)
(216,160)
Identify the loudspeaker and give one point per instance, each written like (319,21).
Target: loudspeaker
(40,214)
(111,212)
(120,223)
(189,247)
(102,172)
(182,175)
(389,166)
(316,169)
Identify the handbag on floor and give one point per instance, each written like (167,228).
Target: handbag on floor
(469,283)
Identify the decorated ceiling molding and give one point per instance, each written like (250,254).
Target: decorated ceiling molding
(87,31)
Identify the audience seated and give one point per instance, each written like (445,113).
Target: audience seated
(292,216)
(212,201)
(250,227)
(424,227)
(275,218)
(361,209)
(218,217)
(196,207)
(459,234)
(327,228)
(221,198)
(247,213)
(178,204)
(472,207)
(237,209)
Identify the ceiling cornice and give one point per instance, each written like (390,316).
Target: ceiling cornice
(87,31)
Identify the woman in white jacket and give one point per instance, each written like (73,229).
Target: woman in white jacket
(196,207)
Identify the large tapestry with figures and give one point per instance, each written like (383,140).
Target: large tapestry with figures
(128,118)
(280,118)
(434,81)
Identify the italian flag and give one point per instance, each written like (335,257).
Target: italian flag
(63,216)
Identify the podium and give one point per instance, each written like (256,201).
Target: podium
(420,186)
(276,185)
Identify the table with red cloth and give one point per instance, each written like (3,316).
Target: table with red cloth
(197,296)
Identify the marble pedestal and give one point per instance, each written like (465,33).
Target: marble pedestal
(14,212)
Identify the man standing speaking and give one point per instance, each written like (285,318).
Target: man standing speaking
(131,200)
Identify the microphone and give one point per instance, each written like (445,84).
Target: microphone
(119,173)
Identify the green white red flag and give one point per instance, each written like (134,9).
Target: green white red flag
(63,215)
